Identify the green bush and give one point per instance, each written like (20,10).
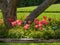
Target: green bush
(37,34)
(49,34)
(29,2)
(43,34)
(14,34)
(57,34)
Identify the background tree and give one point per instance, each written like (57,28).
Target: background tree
(8,8)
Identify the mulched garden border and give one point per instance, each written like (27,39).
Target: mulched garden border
(29,40)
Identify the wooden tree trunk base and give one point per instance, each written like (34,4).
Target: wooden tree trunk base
(29,40)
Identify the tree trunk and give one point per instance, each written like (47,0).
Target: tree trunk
(39,10)
(8,10)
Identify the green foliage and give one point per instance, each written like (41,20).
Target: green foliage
(29,2)
(49,34)
(29,43)
(14,33)
(57,34)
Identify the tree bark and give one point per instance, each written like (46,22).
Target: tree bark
(39,10)
(8,10)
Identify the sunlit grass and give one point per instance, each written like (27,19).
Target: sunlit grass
(29,43)
(54,7)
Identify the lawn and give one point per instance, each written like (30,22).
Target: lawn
(52,12)
(30,44)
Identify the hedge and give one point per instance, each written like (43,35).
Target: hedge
(22,3)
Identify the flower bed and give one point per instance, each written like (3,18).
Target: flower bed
(47,28)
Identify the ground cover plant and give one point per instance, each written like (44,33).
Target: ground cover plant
(49,30)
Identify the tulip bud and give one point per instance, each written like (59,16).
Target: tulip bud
(49,19)
(45,17)
(10,19)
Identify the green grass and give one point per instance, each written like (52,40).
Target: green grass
(30,44)
(54,7)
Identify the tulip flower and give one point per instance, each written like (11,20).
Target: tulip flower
(36,22)
(44,21)
(10,19)
(40,28)
(19,22)
(45,17)
(36,26)
(49,19)
(40,22)
(40,25)
(26,26)
(13,23)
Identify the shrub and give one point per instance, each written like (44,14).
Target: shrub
(49,34)
(29,2)
(37,34)
(14,33)
(57,34)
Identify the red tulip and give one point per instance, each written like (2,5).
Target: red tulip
(36,22)
(49,19)
(40,22)
(43,21)
(13,23)
(19,22)
(10,19)
(40,25)
(26,26)
(36,26)
(45,17)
